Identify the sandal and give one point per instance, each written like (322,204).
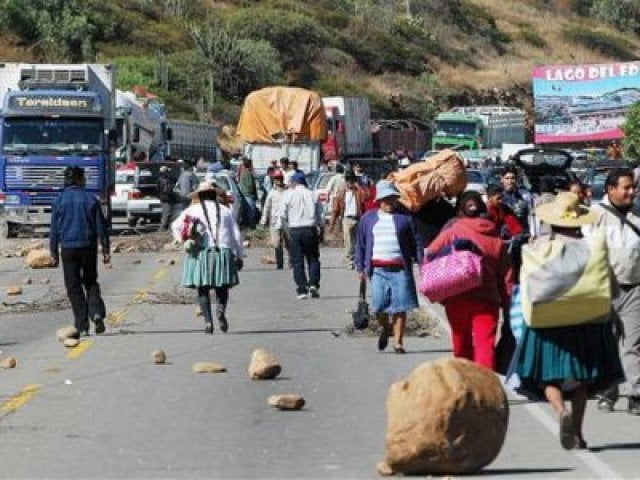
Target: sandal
(399,349)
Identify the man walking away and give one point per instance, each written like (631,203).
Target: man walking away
(270,216)
(385,252)
(620,221)
(348,205)
(302,216)
(167,197)
(249,190)
(186,185)
(77,224)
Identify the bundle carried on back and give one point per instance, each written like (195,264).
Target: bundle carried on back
(444,172)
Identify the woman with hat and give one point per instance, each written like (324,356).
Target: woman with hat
(473,315)
(385,252)
(213,250)
(565,362)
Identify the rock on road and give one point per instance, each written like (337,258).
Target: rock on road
(105,409)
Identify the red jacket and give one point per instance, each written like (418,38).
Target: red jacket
(497,284)
(508,224)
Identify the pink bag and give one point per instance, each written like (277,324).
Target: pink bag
(449,275)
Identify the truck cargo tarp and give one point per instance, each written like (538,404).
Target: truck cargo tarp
(442,173)
(279,114)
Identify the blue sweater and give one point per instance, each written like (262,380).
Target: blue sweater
(406,238)
(77,221)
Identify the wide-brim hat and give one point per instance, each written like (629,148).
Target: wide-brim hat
(203,188)
(566,211)
(386,189)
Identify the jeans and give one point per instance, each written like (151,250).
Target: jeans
(167,215)
(80,267)
(304,244)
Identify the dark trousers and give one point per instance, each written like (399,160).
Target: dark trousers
(204,300)
(80,267)
(167,215)
(304,244)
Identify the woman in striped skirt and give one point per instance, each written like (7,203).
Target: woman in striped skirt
(213,250)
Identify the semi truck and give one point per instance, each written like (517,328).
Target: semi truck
(52,116)
(141,125)
(348,128)
(193,140)
(477,128)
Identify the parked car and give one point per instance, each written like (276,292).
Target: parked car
(476,181)
(536,163)
(321,193)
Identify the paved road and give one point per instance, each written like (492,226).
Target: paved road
(107,411)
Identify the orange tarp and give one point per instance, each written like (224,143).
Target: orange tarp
(277,114)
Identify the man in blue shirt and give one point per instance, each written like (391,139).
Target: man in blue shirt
(77,224)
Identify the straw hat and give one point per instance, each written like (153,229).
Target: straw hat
(202,188)
(566,211)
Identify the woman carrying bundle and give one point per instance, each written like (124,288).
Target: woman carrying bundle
(213,250)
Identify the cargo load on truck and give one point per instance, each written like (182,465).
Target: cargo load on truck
(442,173)
(281,122)
(476,128)
(52,116)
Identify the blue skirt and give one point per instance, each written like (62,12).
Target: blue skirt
(561,356)
(211,267)
(393,291)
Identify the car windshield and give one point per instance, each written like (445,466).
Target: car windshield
(450,127)
(474,176)
(40,135)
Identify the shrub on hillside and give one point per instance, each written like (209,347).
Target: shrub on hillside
(623,14)
(599,41)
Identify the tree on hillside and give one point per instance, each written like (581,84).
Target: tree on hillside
(631,128)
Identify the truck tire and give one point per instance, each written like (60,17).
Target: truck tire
(132,221)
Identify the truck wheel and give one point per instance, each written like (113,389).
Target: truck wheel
(7,230)
(132,221)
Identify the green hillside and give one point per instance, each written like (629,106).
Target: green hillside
(410,57)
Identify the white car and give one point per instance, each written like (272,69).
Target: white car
(134,195)
(321,193)
(477,181)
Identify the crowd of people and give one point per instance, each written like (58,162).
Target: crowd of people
(555,355)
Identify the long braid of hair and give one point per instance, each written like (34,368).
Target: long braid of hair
(206,216)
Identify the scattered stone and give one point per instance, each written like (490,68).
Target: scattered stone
(13,290)
(136,262)
(267,260)
(246,244)
(208,367)
(28,281)
(384,469)
(159,357)
(71,342)
(45,281)
(8,363)
(130,249)
(68,382)
(286,402)
(7,255)
(39,258)
(116,248)
(447,417)
(172,262)
(160,260)
(263,366)
(66,332)
(198,312)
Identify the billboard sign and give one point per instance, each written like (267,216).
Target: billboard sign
(579,103)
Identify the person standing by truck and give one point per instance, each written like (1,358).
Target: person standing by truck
(167,197)
(348,206)
(77,224)
(185,186)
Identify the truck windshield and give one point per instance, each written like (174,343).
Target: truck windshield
(45,135)
(450,127)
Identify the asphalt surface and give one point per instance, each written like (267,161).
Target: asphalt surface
(104,410)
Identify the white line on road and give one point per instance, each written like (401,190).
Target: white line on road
(597,466)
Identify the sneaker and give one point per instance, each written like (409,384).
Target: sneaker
(634,406)
(302,296)
(313,291)
(100,328)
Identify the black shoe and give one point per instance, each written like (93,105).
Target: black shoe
(224,325)
(634,406)
(208,329)
(383,339)
(100,328)
(313,291)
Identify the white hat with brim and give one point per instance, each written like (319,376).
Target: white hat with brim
(202,188)
(386,189)
(565,211)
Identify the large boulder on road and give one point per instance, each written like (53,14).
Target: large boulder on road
(39,258)
(447,417)
(263,366)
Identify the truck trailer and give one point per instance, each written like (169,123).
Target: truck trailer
(193,140)
(477,128)
(52,116)
(348,128)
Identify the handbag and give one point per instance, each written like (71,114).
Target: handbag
(454,270)
(361,315)
(566,283)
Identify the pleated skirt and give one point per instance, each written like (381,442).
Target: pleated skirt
(211,267)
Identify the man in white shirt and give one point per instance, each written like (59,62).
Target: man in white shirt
(303,218)
(620,221)
(270,214)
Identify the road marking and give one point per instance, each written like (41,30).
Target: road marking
(80,349)
(597,466)
(114,319)
(160,274)
(18,400)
